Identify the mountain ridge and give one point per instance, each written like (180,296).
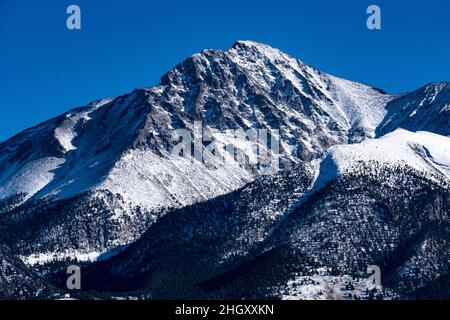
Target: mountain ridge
(151,107)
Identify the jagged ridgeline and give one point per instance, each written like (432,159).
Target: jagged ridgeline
(362,179)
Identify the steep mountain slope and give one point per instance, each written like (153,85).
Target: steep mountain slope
(81,227)
(30,160)
(111,144)
(197,240)
(364,209)
(427,108)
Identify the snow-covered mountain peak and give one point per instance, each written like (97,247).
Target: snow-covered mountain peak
(260,86)
(358,107)
(98,176)
(252,44)
(254,49)
(114,143)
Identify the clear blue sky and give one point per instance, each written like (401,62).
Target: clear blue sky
(46,69)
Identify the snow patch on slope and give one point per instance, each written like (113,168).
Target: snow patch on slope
(66,132)
(423,151)
(153,181)
(28,179)
(363,105)
(43,258)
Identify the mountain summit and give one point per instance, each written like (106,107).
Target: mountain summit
(123,144)
(99,177)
